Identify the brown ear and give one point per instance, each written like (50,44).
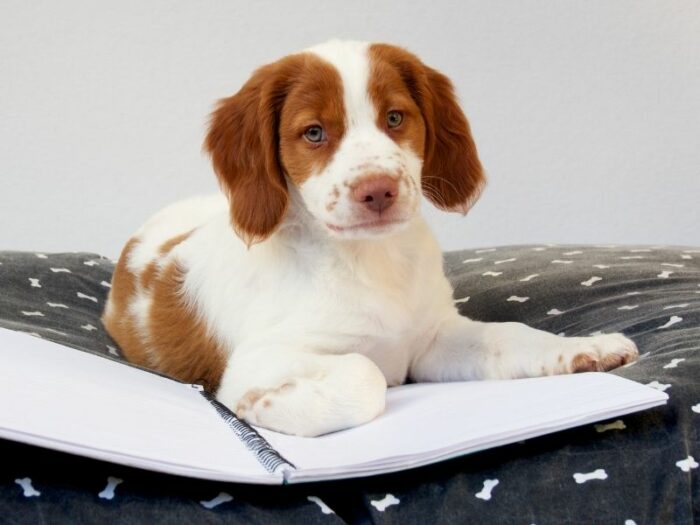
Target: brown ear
(243,144)
(452,174)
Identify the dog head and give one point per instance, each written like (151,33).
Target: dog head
(361,130)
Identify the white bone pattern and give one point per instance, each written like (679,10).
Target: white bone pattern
(386,501)
(659,386)
(318,501)
(674,362)
(27,489)
(687,464)
(517,299)
(108,491)
(56,305)
(34,283)
(596,474)
(485,492)
(615,425)
(675,319)
(222,497)
(592,280)
(88,297)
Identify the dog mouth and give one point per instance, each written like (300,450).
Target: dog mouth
(370,226)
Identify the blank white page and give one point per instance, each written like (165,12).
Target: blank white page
(424,423)
(65,399)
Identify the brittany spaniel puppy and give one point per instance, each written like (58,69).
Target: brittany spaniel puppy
(314,283)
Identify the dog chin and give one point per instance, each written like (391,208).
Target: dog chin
(369,229)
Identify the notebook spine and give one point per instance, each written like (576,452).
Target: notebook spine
(267,456)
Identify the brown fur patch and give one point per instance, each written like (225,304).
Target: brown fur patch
(186,348)
(315,99)
(252,396)
(123,281)
(611,361)
(177,343)
(248,400)
(168,245)
(257,134)
(119,323)
(149,273)
(584,363)
(389,92)
(452,175)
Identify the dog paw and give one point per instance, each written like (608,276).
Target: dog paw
(601,353)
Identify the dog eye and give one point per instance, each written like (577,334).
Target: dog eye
(315,134)
(394,119)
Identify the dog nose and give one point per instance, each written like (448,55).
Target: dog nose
(376,192)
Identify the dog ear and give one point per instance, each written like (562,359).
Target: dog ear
(243,144)
(452,176)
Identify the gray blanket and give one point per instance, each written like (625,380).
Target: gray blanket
(643,467)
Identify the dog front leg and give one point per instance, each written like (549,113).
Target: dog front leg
(302,393)
(463,349)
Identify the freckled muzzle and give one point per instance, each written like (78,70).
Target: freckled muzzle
(379,203)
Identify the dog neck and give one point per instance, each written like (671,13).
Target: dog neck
(386,258)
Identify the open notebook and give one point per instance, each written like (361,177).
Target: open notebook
(60,398)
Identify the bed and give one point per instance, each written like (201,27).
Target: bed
(641,468)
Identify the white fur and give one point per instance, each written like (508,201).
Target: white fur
(317,324)
(365,150)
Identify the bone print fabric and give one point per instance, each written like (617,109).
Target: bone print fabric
(637,469)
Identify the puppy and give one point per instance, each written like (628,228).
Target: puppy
(314,282)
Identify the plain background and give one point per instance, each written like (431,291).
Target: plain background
(586,114)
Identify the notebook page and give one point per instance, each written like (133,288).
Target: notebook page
(427,422)
(65,399)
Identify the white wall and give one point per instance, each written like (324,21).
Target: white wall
(586,114)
